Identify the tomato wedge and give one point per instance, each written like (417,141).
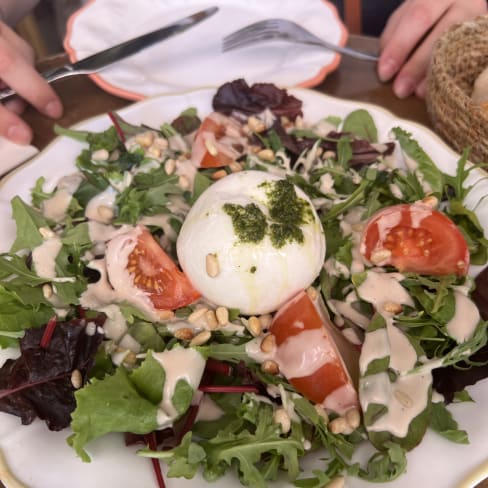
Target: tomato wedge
(309,357)
(416,238)
(152,271)
(213,145)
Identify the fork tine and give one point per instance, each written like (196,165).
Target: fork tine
(228,45)
(248,30)
(253,28)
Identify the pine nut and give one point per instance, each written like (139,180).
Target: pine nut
(431,201)
(379,256)
(312,293)
(160,143)
(219,174)
(201,338)
(338,425)
(145,139)
(212,265)
(322,413)
(266,154)
(329,154)
(392,307)
(222,315)
(105,213)
(183,182)
(268,343)
(266,320)
(90,329)
(184,334)
(353,418)
(255,124)
(269,366)
(254,326)
(47,291)
(130,358)
(197,315)
(211,320)
(46,233)
(153,152)
(235,167)
(100,155)
(281,417)
(211,148)
(165,314)
(170,166)
(337,482)
(76,379)
(403,398)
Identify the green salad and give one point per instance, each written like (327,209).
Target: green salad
(240,291)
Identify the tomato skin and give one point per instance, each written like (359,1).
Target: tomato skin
(300,315)
(420,239)
(210,148)
(156,274)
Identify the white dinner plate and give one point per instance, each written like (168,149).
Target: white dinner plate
(42,459)
(194,59)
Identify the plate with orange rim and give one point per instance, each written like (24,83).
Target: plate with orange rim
(194,59)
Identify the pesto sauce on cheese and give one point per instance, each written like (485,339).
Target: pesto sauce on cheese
(287,212)
(249,221)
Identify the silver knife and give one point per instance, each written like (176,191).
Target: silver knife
(100,60)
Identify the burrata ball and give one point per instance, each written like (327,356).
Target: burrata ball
(251,242)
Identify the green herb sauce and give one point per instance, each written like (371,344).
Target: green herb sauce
(249,221)
(287,213)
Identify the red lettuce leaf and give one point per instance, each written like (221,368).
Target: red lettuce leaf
(38,383)
(238,96)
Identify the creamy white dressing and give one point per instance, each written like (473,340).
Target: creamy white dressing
(99,232)
(376,345)
(55,208)
(345,309)
(44,257)
(341,399)
(403,356)
(178,364)
(100,293)
(104,199)
(406,398)
(466,317)
(380,288)
(319,352)
(418,212)
(161,221)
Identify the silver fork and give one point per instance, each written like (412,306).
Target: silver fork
(270,29)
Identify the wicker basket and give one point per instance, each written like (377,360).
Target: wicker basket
(460,55)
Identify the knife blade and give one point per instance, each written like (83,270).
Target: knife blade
(102,59)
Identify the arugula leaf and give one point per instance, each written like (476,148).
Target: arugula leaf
(38,195)
(361,124)
(425,166)
(28,221)
(444,424)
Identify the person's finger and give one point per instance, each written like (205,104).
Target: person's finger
(415,69)
(418,20)
(13,127)
(18,44)
(391,24)
(27,82)
(421,89)
(15,105)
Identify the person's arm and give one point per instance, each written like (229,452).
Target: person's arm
(409,36)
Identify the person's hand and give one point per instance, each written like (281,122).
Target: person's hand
(409,36)
(17,71)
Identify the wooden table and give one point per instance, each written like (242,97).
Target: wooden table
(355,80)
